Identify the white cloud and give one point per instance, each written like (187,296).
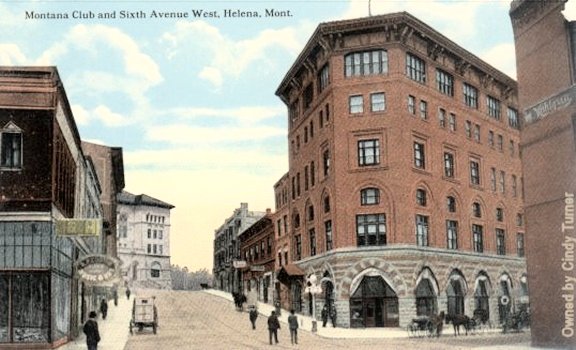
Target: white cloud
(191,135)
(108,117)
(570,10)
(244,115)
(11,55)
(226,56)
(81,115)
(502,57)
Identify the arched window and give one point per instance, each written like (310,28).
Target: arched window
(11,146)
(421,197)
(369,196)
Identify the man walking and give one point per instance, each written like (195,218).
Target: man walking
(293,325)
(104,308)
(273,327)
(91,331)
(253,316)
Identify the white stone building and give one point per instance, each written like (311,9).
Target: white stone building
(144,240)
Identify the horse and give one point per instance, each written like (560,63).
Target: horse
(436,324)
(481,317)
(460,320)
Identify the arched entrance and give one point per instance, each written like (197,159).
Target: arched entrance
(374,304)
(426,303)
(455,292)
(504,299)
(328,289)
(482,296)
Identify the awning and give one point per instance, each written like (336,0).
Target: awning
(289,272)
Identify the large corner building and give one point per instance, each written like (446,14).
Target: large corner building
(404,190)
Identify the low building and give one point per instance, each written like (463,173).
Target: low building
(257,249)
(144,240)
(226,276)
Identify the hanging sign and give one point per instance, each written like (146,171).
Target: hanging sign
(79,227)
(98,268)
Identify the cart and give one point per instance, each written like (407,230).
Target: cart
(144,314)
(420,327)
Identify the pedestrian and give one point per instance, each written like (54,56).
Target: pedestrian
(128,293)
(273,327)
(104,308)
(324,315)
(115,295)
(333,316)
(293,325)
(253,316)
(91,331)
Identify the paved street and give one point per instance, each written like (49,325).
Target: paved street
(199,320)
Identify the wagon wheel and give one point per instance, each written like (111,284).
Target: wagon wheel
(411,328)
(429,328)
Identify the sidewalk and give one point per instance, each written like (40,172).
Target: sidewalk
(331,332)
(113,330)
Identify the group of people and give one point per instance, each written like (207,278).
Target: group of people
(274,325)
(91,325)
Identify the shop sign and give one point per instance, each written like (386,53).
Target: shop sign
(239,264)
(79,227)
(551,105)
(97,268)
(257,268)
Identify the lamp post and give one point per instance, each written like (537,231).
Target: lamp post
(313,289)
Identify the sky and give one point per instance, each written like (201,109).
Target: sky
(191,101)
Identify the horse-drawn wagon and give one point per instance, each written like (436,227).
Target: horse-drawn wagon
(144,314)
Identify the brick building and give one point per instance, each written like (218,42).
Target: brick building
(404,181)
(546,60)
(44,177)
(257,248)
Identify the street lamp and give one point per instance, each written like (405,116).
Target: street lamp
(313,289)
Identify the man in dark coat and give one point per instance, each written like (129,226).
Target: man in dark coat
(324,315)
(104,308)
(273,327)
(91,331)
(253,316)
(293,325)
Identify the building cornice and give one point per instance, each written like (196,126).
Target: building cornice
(524,12)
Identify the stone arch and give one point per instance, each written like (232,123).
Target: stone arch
(326,192)
(429,193)
(483,207)
(453,193)
(307,205)
(353,275)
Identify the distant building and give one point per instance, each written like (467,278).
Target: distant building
(405,180)
(44,177)
(546,67)
(257,248)
(227,248)
(144,240)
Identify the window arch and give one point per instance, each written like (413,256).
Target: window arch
(155,269)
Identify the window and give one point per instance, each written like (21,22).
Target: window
(160,249)
(451,204)
(328,231)
(500,143)
(154,234)
(11,149)
(419,156)
(279,227)
(514,186)
(149,248)
(308,95)
(415,68)
(502,182)
(491,138)
(519,219)
(470,96)
(520,244)
(444,82)
(326,204)
(493,179)
(477,238)
(476,210)
(423,110)
(305,134)
(369,196)
(326,162)
(451,234)
(421,197)
(371,229)
(493,107)
(442,117)
(448,164)
(474,172)
(368,152)
(421,230)
(512,148)
(468,129)
(312,236)
(500,242)
(411,104)
(298,247)
(366,63)
(476,132)
(154,249)
(149,233)
(356,104)
(310,213)
(378,102)
(296,220)
(324,78)
(500,214)
(452,122)
(312,174)
(513,121)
